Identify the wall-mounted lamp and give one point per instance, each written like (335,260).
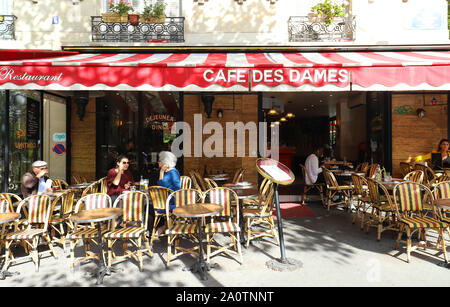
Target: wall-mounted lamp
(420,113)
(207,102)
(81,99)
(219,113)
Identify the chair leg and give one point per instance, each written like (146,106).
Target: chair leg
(139,246)
(408,244)
(110,256)
(72,253)
(50,245)
(34,253)
(168,249)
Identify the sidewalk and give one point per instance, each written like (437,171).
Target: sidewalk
(333,251)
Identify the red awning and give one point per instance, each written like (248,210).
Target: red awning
(324,71)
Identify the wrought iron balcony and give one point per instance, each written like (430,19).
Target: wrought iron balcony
(7,27)
(172,30)
(307,29)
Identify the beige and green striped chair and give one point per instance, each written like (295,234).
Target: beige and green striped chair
(135,216)
(158,197)
(84,232)
(410,198)
(225,222)
(177,227)
(39,207)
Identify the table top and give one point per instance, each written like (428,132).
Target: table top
(346,173)
(442,203)
(96,215)
(237,186)
(8,217)
(198,210)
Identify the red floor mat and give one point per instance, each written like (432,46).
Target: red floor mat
(289,210)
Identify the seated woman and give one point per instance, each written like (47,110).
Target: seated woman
(169,177)
(443,149)
(119,179)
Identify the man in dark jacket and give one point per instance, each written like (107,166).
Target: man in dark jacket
(36,181)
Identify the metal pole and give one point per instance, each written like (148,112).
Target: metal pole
(280,225)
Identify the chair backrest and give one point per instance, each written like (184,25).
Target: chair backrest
(374,169)
(94,201)
(238,175)
(330,179)
(91,189)
(442,190)
(409,196)
(5,205)
(305,173)
(268,201)
(414,176)
(222,196)
(133,204)
(184,197)
(158,196)
(428,174)
(12,198)
(359,182)
(185,182)
(199,182)
(379,194)
(210,183)
(102,185)
(38,209)
(66,200)
(405,168)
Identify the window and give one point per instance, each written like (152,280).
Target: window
(172,9)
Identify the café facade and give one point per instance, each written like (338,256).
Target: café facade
(128,102)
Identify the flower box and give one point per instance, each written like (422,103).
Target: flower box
(114,17)
(150,19)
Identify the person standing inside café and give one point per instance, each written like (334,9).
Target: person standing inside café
(36,181)
(119,179)
(312,165)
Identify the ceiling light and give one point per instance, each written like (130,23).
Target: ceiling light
(290,115)
(272,112)
(283,119)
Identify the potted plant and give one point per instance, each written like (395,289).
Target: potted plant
(118,12)
(327,10)
(154,13)
(133,18)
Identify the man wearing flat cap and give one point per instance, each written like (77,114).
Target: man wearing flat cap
(36,181)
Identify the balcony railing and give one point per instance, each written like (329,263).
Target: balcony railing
(172,30)
(305,29)
(7,27)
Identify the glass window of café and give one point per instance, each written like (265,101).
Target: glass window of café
(21,127)
(137,124)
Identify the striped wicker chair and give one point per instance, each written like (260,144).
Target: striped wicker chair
(361,194)
(90,232)
(374,169)
(410,197)
(442,190)
(210,183)
(414,176)
(180,227)
(60,219)
(224,223)
(158,197)
(259,220)
(238,175)
(185,182)
(334,189)
(383,214)
(39,207)
(102,185)
(135,216)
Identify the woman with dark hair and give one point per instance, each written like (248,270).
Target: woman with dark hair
(119,179)
(443,150)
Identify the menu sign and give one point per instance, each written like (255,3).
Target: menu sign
(33,116)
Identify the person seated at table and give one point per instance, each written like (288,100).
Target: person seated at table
(36,181)
(312,165)
(169,177)
(443,149)
(119,179)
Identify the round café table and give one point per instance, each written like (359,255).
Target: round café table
(198,211)
(243,192)
(6,218)
(97,216)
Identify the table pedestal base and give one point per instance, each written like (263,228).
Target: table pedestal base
(4,274)
(201,267)
(102,273)
(283,266)
(444,264)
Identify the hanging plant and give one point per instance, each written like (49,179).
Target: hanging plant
(327,10)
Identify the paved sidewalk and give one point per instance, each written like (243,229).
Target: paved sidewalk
(333,251)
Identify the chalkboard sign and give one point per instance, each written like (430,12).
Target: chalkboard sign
(33,116)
